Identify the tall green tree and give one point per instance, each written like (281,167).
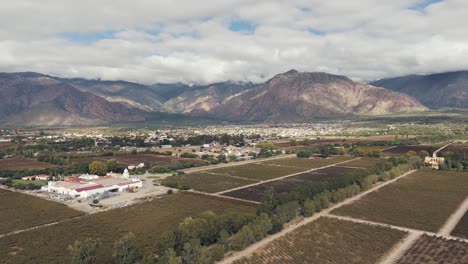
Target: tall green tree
(125,250)
(98,168)
(84,252)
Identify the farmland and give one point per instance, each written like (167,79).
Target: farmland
(23,164)
(461,229)
(434,250)
(401,150)
(255,193)
(423,200)
(257,171)
(328,240)
(20,211)
(146,220)
(129,159)
(208,182)
(362,162)
(308,164)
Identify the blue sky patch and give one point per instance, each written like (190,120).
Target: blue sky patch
(88,37)
(242,26)
(316,32)
(421,5)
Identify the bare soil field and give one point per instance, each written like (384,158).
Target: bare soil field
(20,211)
(423,200)
(435,250)
(23,164)
(328,240)
(255,193)
(141,158)
(461,229)
(208,182)
(310,163)
(147,221)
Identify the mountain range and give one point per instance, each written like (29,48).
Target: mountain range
(39,99)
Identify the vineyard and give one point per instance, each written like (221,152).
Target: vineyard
(23,164)
(328,240)
(434,250)
(362,162)
(255,193)
(146,220)
(257,171)
(130,159)
(307,164)
(423,200)
(401,150)
(206,182)
(20,211)
(461,230)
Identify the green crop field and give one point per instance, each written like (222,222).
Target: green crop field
(208,182)
(257,171)
(423,200)
(328,240)
(461,230)
(20,211)
(146,220)
(362,162)
(310,163)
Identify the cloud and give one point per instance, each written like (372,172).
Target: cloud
(216,40)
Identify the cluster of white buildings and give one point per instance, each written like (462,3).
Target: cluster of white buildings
(88,186)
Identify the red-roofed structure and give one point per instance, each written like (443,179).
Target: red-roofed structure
(89,188)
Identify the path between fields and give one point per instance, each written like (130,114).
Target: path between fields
(399,249)
(237,163)
(282,177)
(454,218)
(252,248)
(224,197)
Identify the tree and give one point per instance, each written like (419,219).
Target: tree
(170,257)
(125,250)
(98,168)
(192,251)
(84,252)
(309,207)
(166,241)
(287,211)
(324,151)
(242,238)
(112,165)
(423,154)
(303,153)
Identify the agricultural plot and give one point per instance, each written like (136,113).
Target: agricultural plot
(208,182)
(423,200)
(255,193)
(141,158)
(362,162)
(434,250)
(461,229)
(307,164)
(259,172)
(328,240)
(147,221)
(20,211)
(23,164)
(402,150)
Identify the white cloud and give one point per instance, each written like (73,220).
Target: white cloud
(190,41)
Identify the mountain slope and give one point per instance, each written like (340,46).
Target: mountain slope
(435,90)
(200,100)
(295,96)
(33,99)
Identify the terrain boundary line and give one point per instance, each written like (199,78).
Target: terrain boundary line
(255,246)
(454,218)
(282,177)
(223,197)
(399,249)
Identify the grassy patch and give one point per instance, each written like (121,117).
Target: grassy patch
(461,230)
(147,221)
(20,211)
(362,162)
(19,183)
(431,249)
(423,200)
(207,182)
(328,240)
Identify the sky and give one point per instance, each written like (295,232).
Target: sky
(206,41)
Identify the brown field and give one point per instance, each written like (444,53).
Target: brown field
(459,149)
(328,240)
(23,164)
(423,200)
(208,182)
(307,164)
(258,172)
(20,211)
(461,229)
(255,193)
(141,158)
(401,150)
(147,221)
(435,250)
